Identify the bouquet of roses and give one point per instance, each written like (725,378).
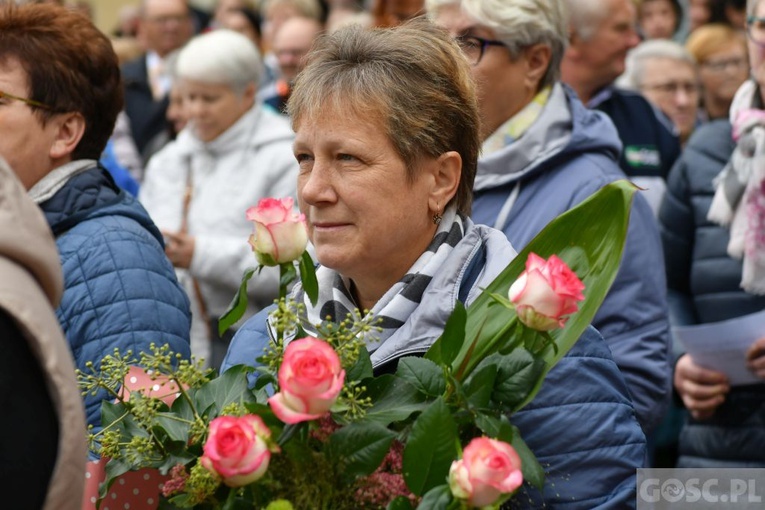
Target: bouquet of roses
(313,427)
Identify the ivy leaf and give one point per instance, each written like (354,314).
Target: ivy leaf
(423,374)
(308,277)
(430,449)
(239,304)
(360,447)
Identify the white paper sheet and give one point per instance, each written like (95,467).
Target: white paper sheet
(722,346)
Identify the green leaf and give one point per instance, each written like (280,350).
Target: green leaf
(480,385)
(175,429)
(239,305)
(400,503)
(287,273)
(593,253)
(360,448)
(489,425)
(362,369)
(452,339)
(518,372)
(437,498)
(430,448)
(393,399)
(423,374)
(530,467)
(229,387)
(308,277)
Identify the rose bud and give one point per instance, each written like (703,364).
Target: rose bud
(546,293)
(237,449)
(488,469)
(280,233)
(310,380)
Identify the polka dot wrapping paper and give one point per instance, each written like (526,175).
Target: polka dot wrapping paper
(135,490)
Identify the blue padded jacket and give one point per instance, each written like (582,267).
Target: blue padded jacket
(120,290)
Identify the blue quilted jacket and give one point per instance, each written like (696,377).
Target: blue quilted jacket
(120,290)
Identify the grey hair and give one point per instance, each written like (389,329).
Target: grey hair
(221,56)
(519,24)
(585,17)
(634,73)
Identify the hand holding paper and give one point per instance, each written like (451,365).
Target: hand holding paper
(702,389)
(755,358)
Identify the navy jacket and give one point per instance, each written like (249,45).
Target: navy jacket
(120,290)
(650,145)
(704,282)
(147,116)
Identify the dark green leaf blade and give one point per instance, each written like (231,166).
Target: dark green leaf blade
(360,447)
(238,306)
(423,374)
(308,277)
(430,449)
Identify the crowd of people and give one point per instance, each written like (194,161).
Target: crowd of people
(447,133)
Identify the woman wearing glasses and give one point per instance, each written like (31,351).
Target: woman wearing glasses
(544,152)
(712,220)
(720,51)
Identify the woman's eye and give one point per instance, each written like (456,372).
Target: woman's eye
(302,157)
(346,157)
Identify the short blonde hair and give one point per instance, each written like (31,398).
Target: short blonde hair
(708,39)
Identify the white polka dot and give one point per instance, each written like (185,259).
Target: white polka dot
(146,476)
(155,387)
(134,379)
(96,461)
(87,474)
(127,506)
(122,481)
(150,501)
(107,508)
(135,491)
(92,499)
(114,495)
(149,372)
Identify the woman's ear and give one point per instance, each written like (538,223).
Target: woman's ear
(447,171)
(70,128)
(538,58)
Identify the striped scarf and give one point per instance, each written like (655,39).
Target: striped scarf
(394,308)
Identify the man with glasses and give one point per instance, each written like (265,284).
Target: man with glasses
(544,152)
(601,34)
(666,74)
(164,26)
(60,94)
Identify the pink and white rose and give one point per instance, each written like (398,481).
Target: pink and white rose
(310,380)
(488,469)
(546,293)
(280,233)
(238,449)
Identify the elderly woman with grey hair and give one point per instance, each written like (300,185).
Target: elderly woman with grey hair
(232,153)
(543,153)
(666,74)
(385,182)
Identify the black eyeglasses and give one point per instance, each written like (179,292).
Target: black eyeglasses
(30,102)
(755,29)
(474,47)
